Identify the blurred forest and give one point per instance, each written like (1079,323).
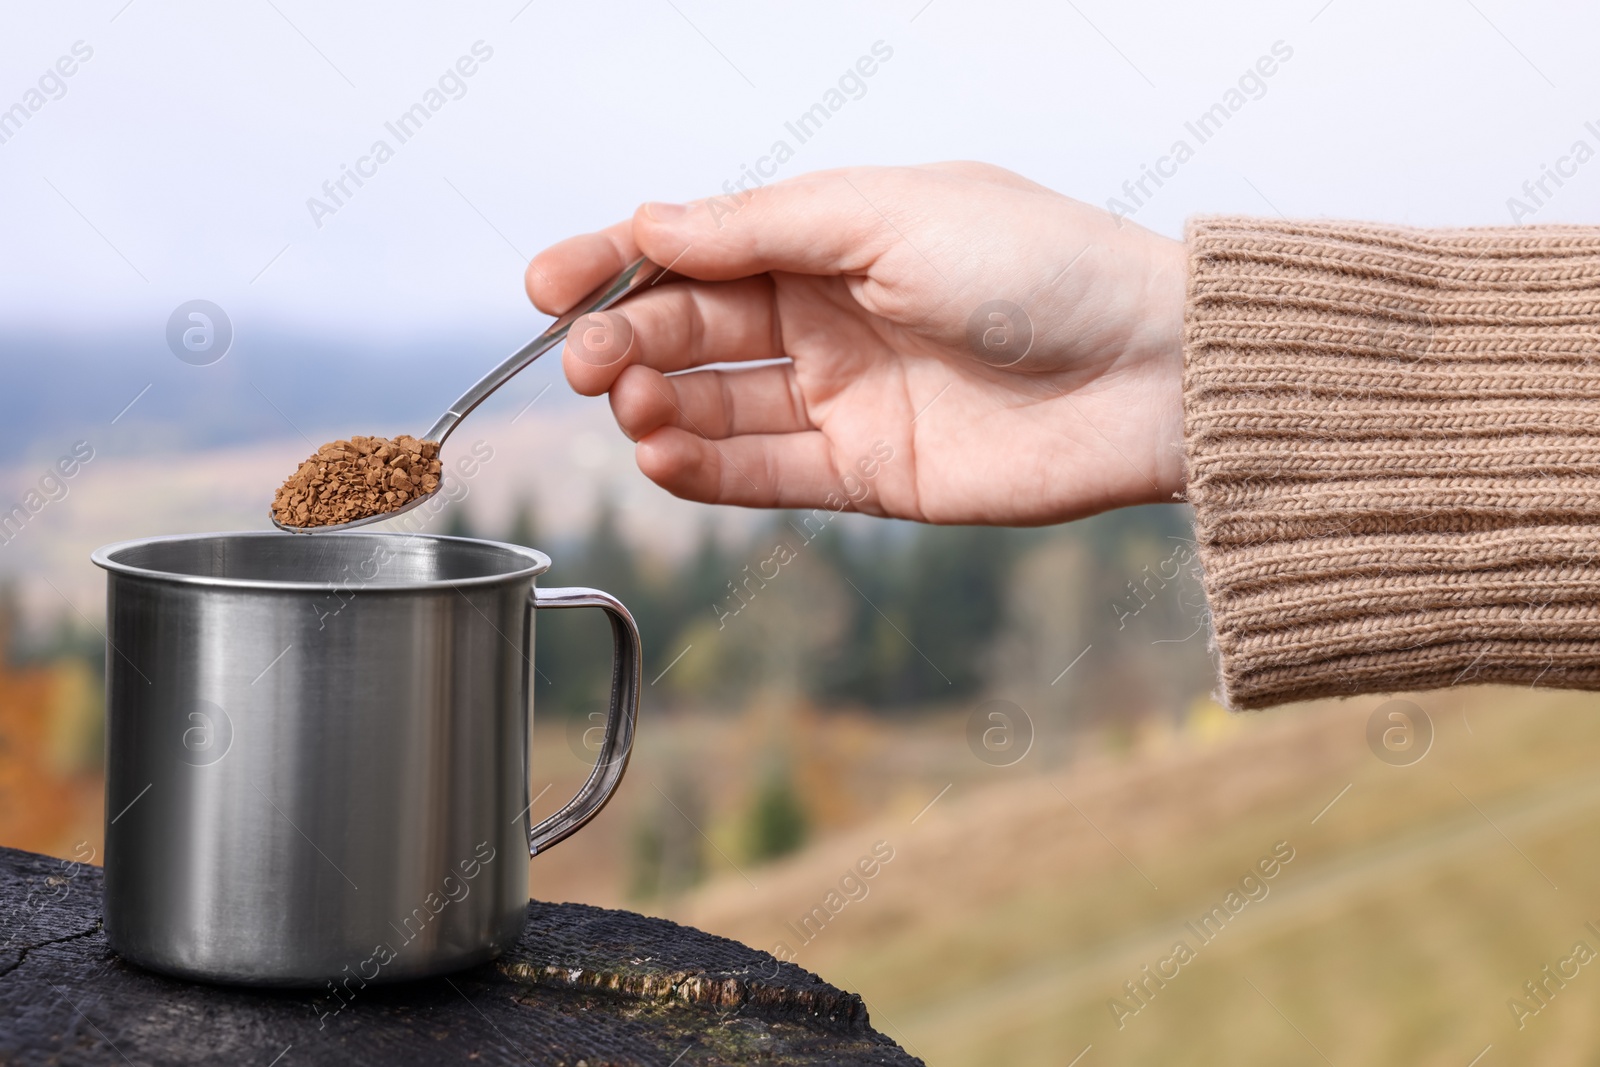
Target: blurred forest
(812,686)
(887,618)
(1092,627)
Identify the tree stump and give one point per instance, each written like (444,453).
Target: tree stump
(584,987)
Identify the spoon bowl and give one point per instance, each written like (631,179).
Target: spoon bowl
(639,274)
(382,516)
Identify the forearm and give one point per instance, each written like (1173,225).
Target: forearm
(1393,448)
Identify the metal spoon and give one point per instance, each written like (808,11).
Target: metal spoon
(637,275)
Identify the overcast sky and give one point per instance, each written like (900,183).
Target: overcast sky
(177,160)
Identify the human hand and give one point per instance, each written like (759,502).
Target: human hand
(962,345)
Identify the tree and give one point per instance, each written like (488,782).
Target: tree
(777,823)
(667,855)
(702,583)
(575,647)
(954,607)
(524,529)
(607,560)
(457,522)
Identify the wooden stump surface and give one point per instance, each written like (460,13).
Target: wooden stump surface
(584,987)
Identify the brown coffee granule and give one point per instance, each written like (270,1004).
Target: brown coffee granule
(349,480)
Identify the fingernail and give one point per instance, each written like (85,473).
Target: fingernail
(665,212)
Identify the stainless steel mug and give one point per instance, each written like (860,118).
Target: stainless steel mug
(317,752)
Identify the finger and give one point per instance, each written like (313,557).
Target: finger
(673,327)
(715,404)
(564,273)
(789,470)
(818,224)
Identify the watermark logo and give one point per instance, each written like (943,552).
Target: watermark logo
(453,488)
(51,85)
(1137,599)
(856,484)
(601,338)
(854,886)
(199,332)
(999,333)
(586,734)
(207,735)
(51,487)
(1252,84)
(850,85)
(1538,191)
(338,191)
(454,887)
(1252,888)
(53,889)
(1400,733)
(1542,988)
(999,733)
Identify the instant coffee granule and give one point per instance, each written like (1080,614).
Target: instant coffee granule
(349,480)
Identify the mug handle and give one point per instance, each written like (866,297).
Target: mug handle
(615,747)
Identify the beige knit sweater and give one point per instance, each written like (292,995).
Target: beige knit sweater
(1393,443)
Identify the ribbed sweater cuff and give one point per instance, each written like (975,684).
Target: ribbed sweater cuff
(1393,446)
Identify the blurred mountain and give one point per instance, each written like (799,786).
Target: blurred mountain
(274,381)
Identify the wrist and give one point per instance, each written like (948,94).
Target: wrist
(1159,336)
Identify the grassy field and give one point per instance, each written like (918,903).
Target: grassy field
(1019,901)
(1414,908)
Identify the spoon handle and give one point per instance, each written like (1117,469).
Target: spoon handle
(634,276)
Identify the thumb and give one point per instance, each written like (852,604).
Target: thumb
(818,224)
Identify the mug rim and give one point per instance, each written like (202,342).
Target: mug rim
(104,557)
